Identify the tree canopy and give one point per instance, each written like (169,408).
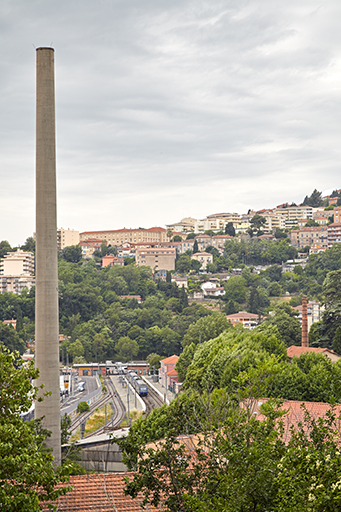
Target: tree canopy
(27,473)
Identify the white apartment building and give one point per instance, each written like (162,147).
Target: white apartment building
(273,222)
(17,263)
(17,271)
(185,225)
(292,214)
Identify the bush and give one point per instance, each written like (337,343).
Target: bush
(83,407)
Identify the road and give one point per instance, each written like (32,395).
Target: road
(79,396)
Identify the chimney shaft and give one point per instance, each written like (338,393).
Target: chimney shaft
(305,339)
(47,321)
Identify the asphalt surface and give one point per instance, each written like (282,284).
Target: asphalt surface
(79,396)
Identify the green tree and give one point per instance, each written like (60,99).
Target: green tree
(337,341)
(280,234)
(101,344)
(205,329)
(126,349)
(76,349)
(235,289)
(257,222)
(29,245)
(9,338)
(183,264)
(195,265)
(314,200)
(4,248)
(195,247)
(27,474)
(184,361)
(258,301)
(72,253)
(112,249)
(311,223)
(153,360)
(229,229)
(288,326)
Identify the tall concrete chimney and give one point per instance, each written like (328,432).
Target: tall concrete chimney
(305,339)
(47,321)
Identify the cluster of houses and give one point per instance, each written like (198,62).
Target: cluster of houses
(155,247)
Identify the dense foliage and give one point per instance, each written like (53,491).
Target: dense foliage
(100,323)
(212,452)
(27,474)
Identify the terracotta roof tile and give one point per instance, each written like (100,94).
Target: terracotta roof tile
(170,360)
(241,315)
(99,492)
(298,350)
(296,411)
(172,372)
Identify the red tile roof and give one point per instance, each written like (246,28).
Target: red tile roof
(172,372)
(170,360)
(101,492)
(298,350)
(242,315)
(295,413)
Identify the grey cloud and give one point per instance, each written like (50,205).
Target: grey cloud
(168,109)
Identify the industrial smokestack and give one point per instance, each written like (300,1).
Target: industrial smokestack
(46,321)
(305,340)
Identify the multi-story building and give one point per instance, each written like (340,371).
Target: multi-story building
(158,258)
(17,271)
(292,214)
(204,258)
(337,214)
(226,217)
(17,263)
(120,236)
(273,222)
(216,222)
(89,246)
(334,233)
(185,225)
(310,236)
(242,227)
(66,238)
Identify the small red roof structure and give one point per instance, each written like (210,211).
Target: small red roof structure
(241,315)
(172,372)
(293,351)
(170,360)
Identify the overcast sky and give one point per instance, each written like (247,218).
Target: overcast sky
(167,109)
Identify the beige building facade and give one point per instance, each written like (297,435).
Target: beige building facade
(310,236)
(17,272)
(292,214)
(121,236)
(204,258)
(17,263)
(66,238)
(157,258)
